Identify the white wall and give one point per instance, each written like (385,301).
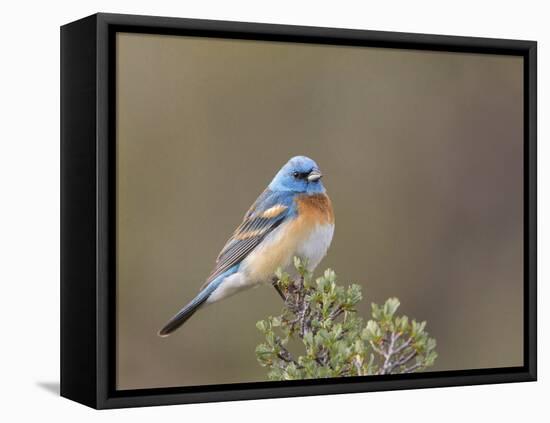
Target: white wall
(29,230)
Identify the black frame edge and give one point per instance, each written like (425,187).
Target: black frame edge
(162,24)
(530,122)
(346,386)
(78,361)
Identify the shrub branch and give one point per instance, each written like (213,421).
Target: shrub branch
(319,316)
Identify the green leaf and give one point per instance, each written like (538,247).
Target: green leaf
(391,306)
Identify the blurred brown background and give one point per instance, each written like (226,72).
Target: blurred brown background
(422,153)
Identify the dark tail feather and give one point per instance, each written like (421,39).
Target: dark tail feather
(190,309)
(185,313)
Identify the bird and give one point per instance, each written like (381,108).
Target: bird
(292,217)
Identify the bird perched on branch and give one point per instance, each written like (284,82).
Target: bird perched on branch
(292,217)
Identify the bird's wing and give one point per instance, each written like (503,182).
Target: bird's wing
(266,214)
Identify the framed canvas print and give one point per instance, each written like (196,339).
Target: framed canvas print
(256,211)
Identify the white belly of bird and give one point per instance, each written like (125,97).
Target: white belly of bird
(315,247)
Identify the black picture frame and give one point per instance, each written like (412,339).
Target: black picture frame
(88,201)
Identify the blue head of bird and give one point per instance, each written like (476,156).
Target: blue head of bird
(301,175)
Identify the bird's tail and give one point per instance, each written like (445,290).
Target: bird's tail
(186,312)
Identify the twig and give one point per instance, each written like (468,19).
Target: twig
(285,355)
(335,313)
(412,368)
(358,366)
(403,346)
(406,359)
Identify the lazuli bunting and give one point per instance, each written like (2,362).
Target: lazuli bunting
(292,217)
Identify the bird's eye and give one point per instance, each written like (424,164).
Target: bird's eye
(300,175)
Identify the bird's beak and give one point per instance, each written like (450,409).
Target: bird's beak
(314,175)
